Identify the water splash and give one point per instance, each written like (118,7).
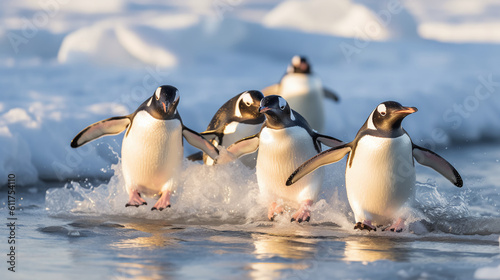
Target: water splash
(205,195)
(443,211)
(229,194)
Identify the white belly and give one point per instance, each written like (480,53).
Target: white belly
(151,153)
(304,94)
(381,178)
(280,153)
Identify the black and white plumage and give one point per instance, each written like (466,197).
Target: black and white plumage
(284,142)
(152,147)
(303,91)
(380,172)
(238,118)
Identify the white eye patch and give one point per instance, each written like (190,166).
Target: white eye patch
(382,109)
(296,61)
(247,98)
(157,93)
(242,97)
(176,95)
(282,103)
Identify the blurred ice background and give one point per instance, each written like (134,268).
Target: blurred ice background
(65,64)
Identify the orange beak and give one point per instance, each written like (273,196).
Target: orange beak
(264,109)
(164,107)
(407,110)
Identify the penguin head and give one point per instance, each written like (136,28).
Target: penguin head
(299,64)
(163,103)
(388,116)
(247,105)
(278,112)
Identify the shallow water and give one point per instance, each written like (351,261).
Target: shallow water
(216,229)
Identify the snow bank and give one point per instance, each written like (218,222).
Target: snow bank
(385,20)
(127,44)
(460,33)
(96,45)
(457,20)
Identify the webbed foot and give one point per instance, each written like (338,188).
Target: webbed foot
(163,202)
(304,212)
(135,199)
(274,210)
(365,225)
(398,226)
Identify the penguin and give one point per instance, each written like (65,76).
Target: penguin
(238,118)
(152,148)
(303,91)
(380,169)
(283,143)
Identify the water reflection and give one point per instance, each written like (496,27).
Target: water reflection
(128,270)
(370,249)
(156,239)
(133,264)
(280,255)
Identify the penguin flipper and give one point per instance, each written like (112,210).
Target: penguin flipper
(328,140)
(196,140)
(329,156)
(111,126)
(196,156)
(271,90)
(245,146)
(430,159)
(209,134)
(331,95)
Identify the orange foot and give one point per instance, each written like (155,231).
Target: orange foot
(304,212)
(163,202)
(397,226)
(365,225)
(274,210)
(135,199)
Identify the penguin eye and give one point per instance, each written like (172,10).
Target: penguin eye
(383,114)
(282,107)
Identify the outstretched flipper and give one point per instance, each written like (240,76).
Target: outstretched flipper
(271,90)
(429,158)
(331,95)
(329,141)
(195,139)
(245,146)
(209,135)
(323,158)
(111,126)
